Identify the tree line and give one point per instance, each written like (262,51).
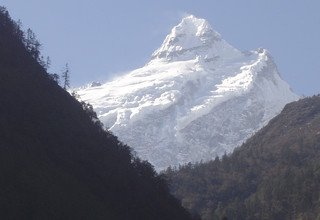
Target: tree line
(274,175)
(33,47)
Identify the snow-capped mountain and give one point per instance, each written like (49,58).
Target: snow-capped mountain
(196,99)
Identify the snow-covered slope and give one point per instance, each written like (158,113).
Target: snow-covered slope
(196,99)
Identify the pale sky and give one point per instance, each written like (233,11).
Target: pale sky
(102,38)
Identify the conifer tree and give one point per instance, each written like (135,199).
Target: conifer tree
(32,44)
(55,77)
(48,63)
(66,77)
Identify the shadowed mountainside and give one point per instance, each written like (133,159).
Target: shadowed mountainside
(55,161)
(274,175)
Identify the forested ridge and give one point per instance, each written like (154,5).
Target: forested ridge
(56,160)
(274,175)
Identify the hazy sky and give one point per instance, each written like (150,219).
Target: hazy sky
(102,38)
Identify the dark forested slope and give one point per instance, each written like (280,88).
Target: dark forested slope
(55,162)
(274,175)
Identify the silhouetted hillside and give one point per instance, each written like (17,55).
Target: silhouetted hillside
(55,162)
(274,175)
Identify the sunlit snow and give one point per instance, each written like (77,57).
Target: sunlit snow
(197,98)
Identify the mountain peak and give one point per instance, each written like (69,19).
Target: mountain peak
(192,38)
(196,99)
(193,26)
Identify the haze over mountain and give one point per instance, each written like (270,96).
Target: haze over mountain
(196,99)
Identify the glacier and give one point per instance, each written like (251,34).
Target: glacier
(197,98)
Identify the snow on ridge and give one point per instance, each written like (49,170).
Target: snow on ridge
(190,38)
(230,87)
(196,99)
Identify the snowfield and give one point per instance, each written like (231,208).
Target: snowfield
(196,99)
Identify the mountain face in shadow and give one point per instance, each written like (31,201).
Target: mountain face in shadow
(55,161)
(274,175)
